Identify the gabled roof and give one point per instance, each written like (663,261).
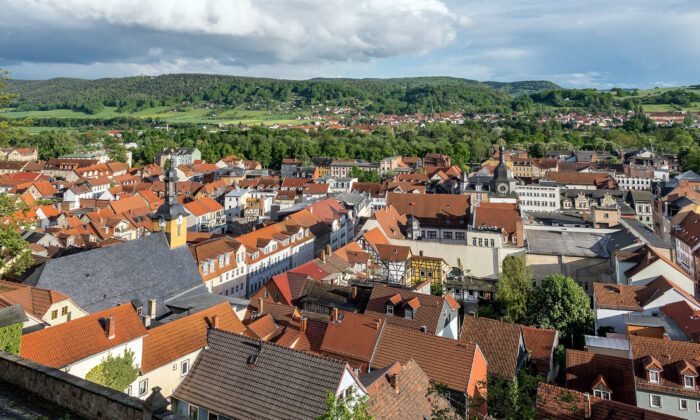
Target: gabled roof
(269,381)
(667,354)
(375,237)
(501,215)
(554,402)
(390,221)
(263,327)
(388,252)
(427,314)
(685,317)
(180,337)
(34,300)
(354,336)
(500,342)
(539,342)
(448,210)
(583,369)
(452,367)
(688,231)
(67,343)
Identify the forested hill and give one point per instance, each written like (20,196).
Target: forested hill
(399,95)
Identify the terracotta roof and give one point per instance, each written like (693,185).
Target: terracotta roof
(452,368)
(374,189)
(315,189)
(447,210)
(354,336)
(351,252)
(688,231)
(180,337)
(408,400)
(393,252)
(67,343)
(375,237)
(539,342)
(597,179)
(328,210)
(45,188)
(34,300)
(390,221)
(129,203)
(427,314)
(685,316)
(309,340)
(501,215)
(620,296)
(310,269)
(554,402)
(499,341)
(668,353)
(286,195)
(583,370)
(295,183)
(263,327)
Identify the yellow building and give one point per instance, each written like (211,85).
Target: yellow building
(428,268)
(171,216)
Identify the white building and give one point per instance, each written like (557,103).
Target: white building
(541,198)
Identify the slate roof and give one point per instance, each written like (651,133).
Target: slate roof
(64,344)
(145,268)
(12,315)
(582,369)
(499,341)
(444,360)
(559,403)
(282,384)
(183,336)
(581,244)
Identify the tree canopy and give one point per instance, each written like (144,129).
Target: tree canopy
(514,288)
(115,372)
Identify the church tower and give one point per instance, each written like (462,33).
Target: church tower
(171,216)
(502,185)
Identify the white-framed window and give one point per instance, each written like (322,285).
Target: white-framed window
(408,313)
(698,406)
(655,401)
(205,269)
(689,382)
(143,387)
(184,367)
(682,404)
(654,377)
(390,309)
(601,394)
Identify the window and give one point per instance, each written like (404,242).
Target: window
(408,313)
(447,235)
(390,309)
(653,377)
(143,387)
(228,259)
(267,295)
(491,241)
(459,235)
(474,241)
(213,416)
(689,382)
(54,314)
(601,394)
(432,234)
(655,400)
(683,405)
(212,265)
(193,412)
(422,273)
(698,407)
(184,367)
(277,297)
(204,269)
(64,311)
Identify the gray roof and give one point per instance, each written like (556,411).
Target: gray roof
(670,327)
(282,384)
(688,176)
(580,244)
(11,315)
(187,305)
(143,269)
(642,231)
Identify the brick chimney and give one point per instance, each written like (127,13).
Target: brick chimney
(334,315)
(215,321)
(152,308)
(354,292)
(379,324)
(586,406)
(323,255)
(302,325)
(394,381)
(109,327)
(260,306)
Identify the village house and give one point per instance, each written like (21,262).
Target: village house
(222,265)
(206,215)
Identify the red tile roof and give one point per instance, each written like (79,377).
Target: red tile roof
(355,336)
(448,210)
(583,370)
(34,300)
(180,337)
(686,317)
(688,231)
(263,327)
(67,343)
(539,342)
(500,342)
(668,353)
(427,314)
(390,252)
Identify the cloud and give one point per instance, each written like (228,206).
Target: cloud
(253,32)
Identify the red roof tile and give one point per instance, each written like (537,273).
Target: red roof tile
(354,336)
(583,370)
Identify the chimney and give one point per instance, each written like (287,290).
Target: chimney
(323,255)
(586,406)
(302,325)
(109,327)
(334,315)
(152,308)
(379,324)
(215,321)
(260,305)
(354,293)
(328,250)
(423,329)
(394,380)
(665,336)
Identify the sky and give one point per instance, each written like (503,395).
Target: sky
(577,44)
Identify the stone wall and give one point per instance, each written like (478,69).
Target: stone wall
(84,398)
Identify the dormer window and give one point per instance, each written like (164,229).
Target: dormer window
(689,382)
(390,309)
(654,376)
(212,265)
(408,313)
(204,269)
(221,260)
(228,258)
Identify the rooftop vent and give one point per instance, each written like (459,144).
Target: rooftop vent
(253,359)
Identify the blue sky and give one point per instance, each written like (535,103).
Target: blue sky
(598,44)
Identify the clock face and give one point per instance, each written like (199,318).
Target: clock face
(502,188)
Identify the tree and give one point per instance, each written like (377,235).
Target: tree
(118,153)
(11,337)
(561,304)
(115,372)
(15,254)
(514,288)
(351,407)
(364,176)
(510,399)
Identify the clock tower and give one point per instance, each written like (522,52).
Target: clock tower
(502,185)
(171,216)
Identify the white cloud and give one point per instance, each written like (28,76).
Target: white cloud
(286,30)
